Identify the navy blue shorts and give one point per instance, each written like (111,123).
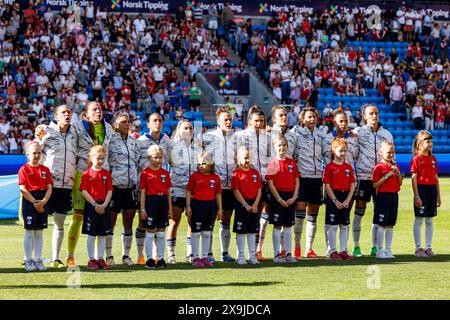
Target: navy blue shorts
(95,224)
(203,215)
(32,219)
(244,221)
(385,209)
(60,201)
(157,208)
(265,193)
(311,191)
(227,200)
(428,195)
(280,216)
(335,216)
(364,190)
(124,199)
(179,202)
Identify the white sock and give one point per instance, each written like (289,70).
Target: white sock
(189,246)
(276,239)
(288,239)
(225,236)
(155,238)
(171,247)
(428,231)
(101,244)
(327,244)
(38,242)
(417,231)
(28,244)
(389,236)
(343,237)
(380,238)
(91,247)
(58,234)
(127,239)
(109,244)
(210,251)
(298,230)
(251,240)
(311,227)
(150,236)
(206,243)
(374,235)
(356,225)
(140,239)
(160,244)
(240,245)
(195,242)
(282,244)
(262,232)
(332,231)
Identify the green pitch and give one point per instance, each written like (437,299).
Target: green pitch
(406,277)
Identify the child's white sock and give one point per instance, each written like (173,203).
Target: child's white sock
(428,231)
(332,231)
(343,237)
(109,244)
(58,234)
(101,244)
(311,227)
(127,239)
(189,246)
(356,224)
(140,240)
(276,239)
(251,240)
(91,247)
(374,235)
(288,239)
(149,237)
(160,244)
(298,228)
(28,244)
(195,243)
(380,238)
(417,231)
(206,243)
(225,237)
(389,236)
(240,244)
(38,242)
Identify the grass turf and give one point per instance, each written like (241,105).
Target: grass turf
(406,277)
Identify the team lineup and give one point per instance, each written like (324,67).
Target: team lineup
(265,175)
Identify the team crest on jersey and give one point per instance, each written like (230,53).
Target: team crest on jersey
(347,173)
(290,168)
(433,164)
(255,178)
(44,174)
(104,179)
(212,183)
(163,178)
(29,220)
(381,217)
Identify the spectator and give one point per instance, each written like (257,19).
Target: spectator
(396,96)
(418,117)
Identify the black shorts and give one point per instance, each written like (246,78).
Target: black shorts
(364,190)
(244,221)
(60,201)
(311,191)
(179,202)
(280,216)
(32,219)
(385,209)
(428,195)
(203,215)
(335,216)
(95,224)
(157,208)
(124,199)
(227,200)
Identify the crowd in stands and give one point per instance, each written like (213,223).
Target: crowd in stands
(296,53)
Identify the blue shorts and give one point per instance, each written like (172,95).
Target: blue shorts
(280,216)
(385,209)
(364,190)
(244,221)
(311,191)
(203,215)
(157,208)
(428,195)
(335,216)
(60,201)
(95,224)
(32,219)
(124,199)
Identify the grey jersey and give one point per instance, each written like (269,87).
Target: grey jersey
(123,157)
(309,151)
(352,152)
(290,137)
(85,143)
(145,141)
(369,144)
(183,162)
(259,146)
(59,154)
(223,149)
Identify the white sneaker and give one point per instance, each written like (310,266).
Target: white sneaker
(241,261)
(30,266)
(381,254)
(171,260)
(253,260)
(39,265)
(110,261)
(290,259)
(389,254)
(126,260)
(279,259)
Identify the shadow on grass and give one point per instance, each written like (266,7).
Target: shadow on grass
(303,263)
(152,285)
(9,222)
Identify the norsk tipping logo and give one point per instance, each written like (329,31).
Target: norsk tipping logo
(115,4)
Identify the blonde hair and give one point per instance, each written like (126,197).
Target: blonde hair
(95,150)
(221,110)
(384,145)
(337,142)
(421,136)
(155,149)
(239,154)
(177,135)
(275,109)
(30,144)
(363,112)
(305,110)
(207,158)
(279,138)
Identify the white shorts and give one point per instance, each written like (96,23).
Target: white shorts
(212,25)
